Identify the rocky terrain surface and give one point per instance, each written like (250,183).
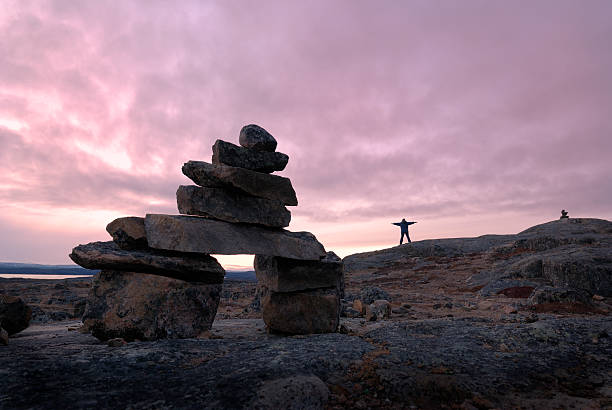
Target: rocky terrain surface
(499,321)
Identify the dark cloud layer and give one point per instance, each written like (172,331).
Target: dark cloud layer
(387,109)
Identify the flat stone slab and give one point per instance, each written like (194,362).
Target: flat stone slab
(290,275)
(251,182)
(108,256)
(304,312)
(128,232)
(226,153)
(133,305)
(202,235)
(231,206)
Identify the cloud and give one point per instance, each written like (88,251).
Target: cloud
(434,110)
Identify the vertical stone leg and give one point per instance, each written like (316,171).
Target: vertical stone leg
(144,306)
(300,296)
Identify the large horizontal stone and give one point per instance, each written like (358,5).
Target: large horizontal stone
(128,232)
(139,306)
(226,153)
(231,206)
(311,311)
(197,234)
(108,256)
(290,275)
(255,137)
(251,182)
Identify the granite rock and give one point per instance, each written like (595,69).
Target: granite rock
(378,310)
(138,306)
(251,182)
(202,235)
(303,312)
(231,206)
(15,314)
(290,275)
(295,392)
(226,153)
(108,256)
(255,137)
(128,232)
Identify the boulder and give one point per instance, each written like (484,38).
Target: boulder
(231,206)
(290,275)
(4,339)
(251,182)
(378,310)
(304,312)
(371,293)
(226,153)
(202,235)
(108,256)
(139,306)
(128,232)
(255,137)
(15,315)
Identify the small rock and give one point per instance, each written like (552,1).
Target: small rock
(3,337)
(378,310)
(508,309)
(350,312)
(598,298)
(128,232)
(255,137)
(116,342)
(359,306)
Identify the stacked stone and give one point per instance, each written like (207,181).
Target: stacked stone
(236,207)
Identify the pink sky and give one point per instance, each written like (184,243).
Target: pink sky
(469,117)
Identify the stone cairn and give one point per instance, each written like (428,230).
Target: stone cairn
(158,279)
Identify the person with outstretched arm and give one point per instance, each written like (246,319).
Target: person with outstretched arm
(404,227)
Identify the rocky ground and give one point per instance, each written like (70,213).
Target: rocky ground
(512,321)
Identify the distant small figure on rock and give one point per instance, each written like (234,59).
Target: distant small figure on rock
(404,227)
(564,214)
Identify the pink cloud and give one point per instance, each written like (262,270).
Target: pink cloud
(431,111)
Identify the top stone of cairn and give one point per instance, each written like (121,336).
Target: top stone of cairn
(255,137)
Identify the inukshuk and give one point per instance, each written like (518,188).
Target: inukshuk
(158,279)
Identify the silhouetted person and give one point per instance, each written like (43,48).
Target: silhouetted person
(563,214)
(404,227)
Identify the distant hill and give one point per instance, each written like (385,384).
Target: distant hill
(37,269)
